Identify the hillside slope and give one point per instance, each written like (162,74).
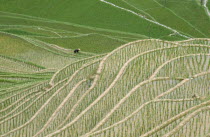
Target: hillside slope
(143,88)
(186,17)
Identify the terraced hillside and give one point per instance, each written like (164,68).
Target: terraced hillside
(100,26)
(143,88)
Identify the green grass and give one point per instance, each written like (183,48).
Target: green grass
(179,15)
(89,15)
(16,47)
(11,19)
(178,12)
(20,32)
(67,20)
(113,37)
(90,43)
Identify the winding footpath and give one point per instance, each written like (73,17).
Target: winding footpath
(155,22)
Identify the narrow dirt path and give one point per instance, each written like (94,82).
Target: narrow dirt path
(173,30)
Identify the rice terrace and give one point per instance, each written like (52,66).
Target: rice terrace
(104,68)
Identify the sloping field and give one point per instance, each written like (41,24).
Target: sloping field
(16,48)
(143,88)
(163,17)
(125,81)
(179,14)
(66,35)
(100,26)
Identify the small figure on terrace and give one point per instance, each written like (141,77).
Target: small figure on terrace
(76,50)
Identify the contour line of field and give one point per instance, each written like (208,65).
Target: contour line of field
(21,105)
(65,31)
(163,124)
(104,93)
(34,43)
(77,36)
(146,103)
(45,104)
(192,40)
(31,27)
(52,81)
(68,96)
(47,91)
(14,13)
(82,35)
(65,84)
(65,100)
(128,44)
(9,69)
(139,85)
(186,120)
(10,108)
(166,123)
(16,87)
(59,107)
(182,19)
(44,28)
(97,76)
(139,10)
(81,26)
(56,47)
(25,109)
(169,28)
(22,97)
(32,66)
(170,11)
(15,90)
(136,111)
(13,70)
(84,95)
(182,83)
